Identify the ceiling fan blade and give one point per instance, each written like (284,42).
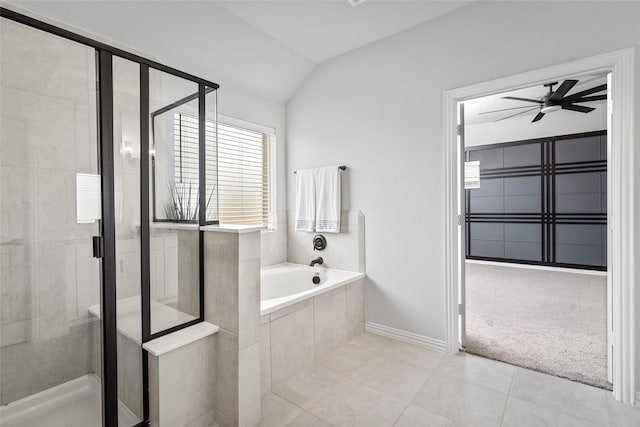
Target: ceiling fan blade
(562,90)
(588,99)
(516,114)
(537,117)
(577,95)
(579,108)
(522,99)
(505,109)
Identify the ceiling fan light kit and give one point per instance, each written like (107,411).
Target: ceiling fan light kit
(550,108)
(556,100)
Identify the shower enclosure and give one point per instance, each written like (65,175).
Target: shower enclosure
(101,205)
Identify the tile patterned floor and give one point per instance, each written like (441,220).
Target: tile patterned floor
(374,381)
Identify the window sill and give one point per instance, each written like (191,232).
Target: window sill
(232,228)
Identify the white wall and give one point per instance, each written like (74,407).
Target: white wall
(521,128)
(379,110)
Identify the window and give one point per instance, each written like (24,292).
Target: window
(185,151)
(246,167)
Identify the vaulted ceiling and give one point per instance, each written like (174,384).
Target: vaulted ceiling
(321,30)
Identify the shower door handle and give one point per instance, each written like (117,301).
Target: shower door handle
(98,251)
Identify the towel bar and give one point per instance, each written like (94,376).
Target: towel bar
(342,168)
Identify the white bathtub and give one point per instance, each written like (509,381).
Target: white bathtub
(285,284)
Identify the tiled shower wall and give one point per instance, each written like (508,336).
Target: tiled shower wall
(48,277)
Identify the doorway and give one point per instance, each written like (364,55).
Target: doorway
(535,196)
(620,214)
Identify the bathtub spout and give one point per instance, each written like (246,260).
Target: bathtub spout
(318,260)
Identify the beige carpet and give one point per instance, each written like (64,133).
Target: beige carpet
(552,322)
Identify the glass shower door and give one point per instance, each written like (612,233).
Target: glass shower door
(50,205)
(128,243)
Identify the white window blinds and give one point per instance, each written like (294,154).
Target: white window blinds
(246,175)
(186,162)
(246,168)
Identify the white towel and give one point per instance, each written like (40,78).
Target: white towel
(328,199)
(305,200)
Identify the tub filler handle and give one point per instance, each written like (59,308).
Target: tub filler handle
(319,242)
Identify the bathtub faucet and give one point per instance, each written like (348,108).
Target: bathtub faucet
(318,260)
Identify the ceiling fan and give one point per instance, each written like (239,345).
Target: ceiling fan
(556,100)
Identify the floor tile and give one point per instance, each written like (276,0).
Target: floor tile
(277,412)
(461,401)
(415,416)
(347,358)
(393,377)
(308,420)
(354,404)
(413,354)
(479,371)
(566,396)
(621,414)
(372,341)
(307,385)
(520,413)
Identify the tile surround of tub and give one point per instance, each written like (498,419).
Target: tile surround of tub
(292,343)
(345,250)
(330,321)
(295,337)
(355,313)
(273,243)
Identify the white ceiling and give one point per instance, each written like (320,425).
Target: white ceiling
(321,30)
(474,107)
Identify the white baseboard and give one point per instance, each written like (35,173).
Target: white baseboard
(408,337)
